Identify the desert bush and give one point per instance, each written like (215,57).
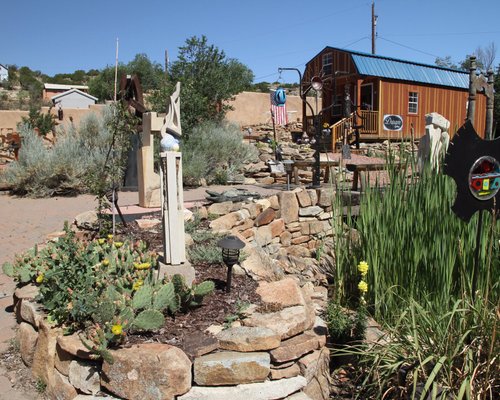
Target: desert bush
(214,152)
(80,161)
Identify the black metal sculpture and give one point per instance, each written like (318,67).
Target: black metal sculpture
(474,165)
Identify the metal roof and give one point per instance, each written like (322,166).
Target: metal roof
(408,71)
(63,94)
(57,86)
(393,68)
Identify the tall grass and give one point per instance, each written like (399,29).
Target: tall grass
(442,337)
(417,247)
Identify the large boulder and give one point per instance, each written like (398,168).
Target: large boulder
(148,371)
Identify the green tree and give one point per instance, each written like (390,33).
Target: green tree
(102,85)
(45,123)
(208,80)
(150,73)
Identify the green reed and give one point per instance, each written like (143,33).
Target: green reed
(416,246)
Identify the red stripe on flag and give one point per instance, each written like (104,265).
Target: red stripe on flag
(278,112)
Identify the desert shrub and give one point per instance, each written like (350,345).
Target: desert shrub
(80,161)
(214,152)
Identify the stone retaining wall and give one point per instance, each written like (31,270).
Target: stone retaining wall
(278,351)
(282,232)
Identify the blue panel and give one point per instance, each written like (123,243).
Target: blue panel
(408,71)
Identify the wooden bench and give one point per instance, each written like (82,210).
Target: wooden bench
(327,165)
(360,169)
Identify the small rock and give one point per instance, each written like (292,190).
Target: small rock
(285,293)
(247,339)
(296,347)
(73,345)
(265,217)
(198,344)
(288,372)
(231,368)
(86,220)
(147,223)
(311,211)
(27,337)
(287,322)
(269,390)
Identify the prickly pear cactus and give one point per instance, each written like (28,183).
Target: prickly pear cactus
(204,288)
(143,298)
(165,297)
(148,320)
(105,311)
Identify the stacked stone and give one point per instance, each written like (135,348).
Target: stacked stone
(278,353)
(274,355)
(289,227)
(263,172)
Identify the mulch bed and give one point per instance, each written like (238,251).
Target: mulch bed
(216,307)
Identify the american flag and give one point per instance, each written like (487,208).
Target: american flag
(278,113)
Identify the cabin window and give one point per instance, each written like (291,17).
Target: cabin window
(327,63)
(413,103)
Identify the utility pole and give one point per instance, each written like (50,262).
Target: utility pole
(374,27)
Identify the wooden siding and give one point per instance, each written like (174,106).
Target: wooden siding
(449,102)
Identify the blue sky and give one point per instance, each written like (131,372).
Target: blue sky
(63,36)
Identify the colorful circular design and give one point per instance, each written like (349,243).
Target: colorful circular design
(484,178)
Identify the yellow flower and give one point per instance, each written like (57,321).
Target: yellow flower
(363,286)
(363,267)
(118,244)
(116,329)
(101,241)
(105,262)
(137,284)
(39,278)
(145,265)
(110,236)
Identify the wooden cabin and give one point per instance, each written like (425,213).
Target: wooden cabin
(390,96)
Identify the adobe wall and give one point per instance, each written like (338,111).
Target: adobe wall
(10,118)
(252,108)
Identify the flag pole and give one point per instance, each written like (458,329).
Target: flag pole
(116,69)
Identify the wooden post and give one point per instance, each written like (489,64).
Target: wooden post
(490,99)
(471,107)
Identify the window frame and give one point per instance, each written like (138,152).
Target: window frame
(324,63)
(413,99)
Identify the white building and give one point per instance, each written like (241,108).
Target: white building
(4,73)
(74,98)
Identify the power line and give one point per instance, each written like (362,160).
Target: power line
(408,47)
(442,34)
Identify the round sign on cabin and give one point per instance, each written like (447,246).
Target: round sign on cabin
(280,97)
(393,122)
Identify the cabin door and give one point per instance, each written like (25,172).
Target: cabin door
(366,102)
